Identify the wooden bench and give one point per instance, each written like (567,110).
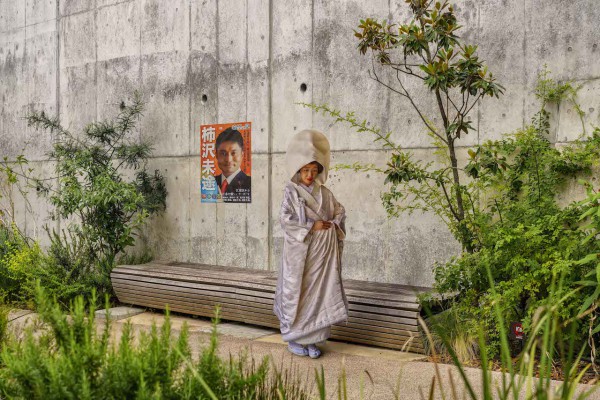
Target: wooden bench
(383,315)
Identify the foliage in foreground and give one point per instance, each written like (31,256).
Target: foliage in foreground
(526,236)
(550,345)
(72,359)
(591,282)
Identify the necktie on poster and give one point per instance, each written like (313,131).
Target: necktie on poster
(224,186)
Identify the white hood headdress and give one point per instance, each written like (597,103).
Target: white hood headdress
(305,147)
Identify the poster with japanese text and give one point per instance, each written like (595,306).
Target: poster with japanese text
(226,163)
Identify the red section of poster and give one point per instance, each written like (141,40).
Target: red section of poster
(226,163)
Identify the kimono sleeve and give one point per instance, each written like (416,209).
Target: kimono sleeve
(289,217)
(339,218)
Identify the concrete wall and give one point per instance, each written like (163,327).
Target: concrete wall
(249,58)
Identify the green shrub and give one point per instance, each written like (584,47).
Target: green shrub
(70,270)
(74,360)
(3,324)
(590,284)
(512,222)
(525,236)
(18,267)
(104,208)
(94,190)
(64,272)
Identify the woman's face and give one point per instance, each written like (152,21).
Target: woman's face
(309,173)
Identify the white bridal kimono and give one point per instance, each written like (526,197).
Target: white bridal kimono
(310,297)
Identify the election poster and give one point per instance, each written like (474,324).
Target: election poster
(226,163)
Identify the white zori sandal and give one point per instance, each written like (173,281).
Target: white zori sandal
(313,351)
(297,349)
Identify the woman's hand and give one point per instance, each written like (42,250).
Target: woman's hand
(321,225)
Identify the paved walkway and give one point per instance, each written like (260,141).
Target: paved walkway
(377,373)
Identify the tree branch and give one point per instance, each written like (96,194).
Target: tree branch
(407,95)
(407,72)
(376,78)
(475,102)
(450,205)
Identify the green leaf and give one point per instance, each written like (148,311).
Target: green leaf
(586,214)
(586,283)
(587,259)
(589,300)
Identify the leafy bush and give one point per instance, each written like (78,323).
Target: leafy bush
(590,285)
(92,187)
(71,271)
(103,209)
(513,223)
(19,263)
(73,360)
(62,271)
(525,236)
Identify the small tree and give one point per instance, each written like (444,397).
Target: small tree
(92,186)
(426,49)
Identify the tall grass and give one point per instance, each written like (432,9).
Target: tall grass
(447,327)
(527,377)
(530,376)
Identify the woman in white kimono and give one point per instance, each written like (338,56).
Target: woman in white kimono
(310,296)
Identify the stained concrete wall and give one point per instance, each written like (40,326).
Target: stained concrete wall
(217,61)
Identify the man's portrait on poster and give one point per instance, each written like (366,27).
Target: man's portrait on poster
(226,163)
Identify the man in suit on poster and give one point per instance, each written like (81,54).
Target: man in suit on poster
(233,182)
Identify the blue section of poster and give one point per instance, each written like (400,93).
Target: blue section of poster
(209,190)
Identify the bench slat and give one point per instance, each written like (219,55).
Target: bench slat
(197,298)
(229,291)
(382,315)
(356,288)
(240,294)
(154,277)
(338,332)
(194,298)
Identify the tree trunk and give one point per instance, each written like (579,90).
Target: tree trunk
(460,210)
(465,235)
